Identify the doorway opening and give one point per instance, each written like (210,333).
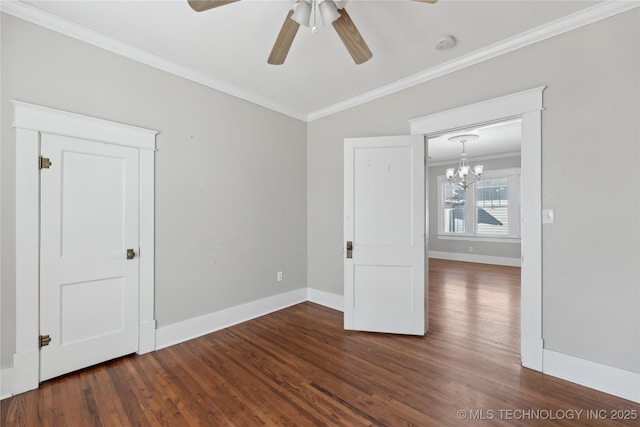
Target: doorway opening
(527,107)
(478,221)
(474,232)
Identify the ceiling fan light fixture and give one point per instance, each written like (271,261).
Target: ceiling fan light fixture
(340,3)
(312,14)
(315,13)
(328,11)
(301,12)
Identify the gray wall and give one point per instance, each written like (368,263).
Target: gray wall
(234,194)
(497,249)
(230,175)
(591,297)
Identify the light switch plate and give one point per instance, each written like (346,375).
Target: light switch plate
(548,216)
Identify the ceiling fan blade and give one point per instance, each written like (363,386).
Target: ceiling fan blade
(202,5)
(283,42)
(351,38)
(428,1)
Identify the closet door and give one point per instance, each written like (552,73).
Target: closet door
(88,255)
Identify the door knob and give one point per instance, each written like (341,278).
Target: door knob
(131,254)
(349,249)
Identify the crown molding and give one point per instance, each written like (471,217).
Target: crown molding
(571,22)
(36,16)
(593,14)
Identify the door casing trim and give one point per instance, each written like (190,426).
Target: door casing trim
(528,106)
(29,122)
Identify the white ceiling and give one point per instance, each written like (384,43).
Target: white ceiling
(494,139)
(227,47)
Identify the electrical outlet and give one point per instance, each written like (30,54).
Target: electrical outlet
(279,276)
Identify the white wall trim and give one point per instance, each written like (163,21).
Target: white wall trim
(6,380)
(607,379)
(198,326)
(326,299)
(55,23)
(615,381)
(488,111)
(26,371)
(531,238)
(585,17)
(146,256)
(482,259)
(59,122)
(526,104)
(29,121)
(471,239)
(27,261)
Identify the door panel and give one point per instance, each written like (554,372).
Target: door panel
(103,218)
(89,218)
(385,220)
(102,300)
(383,287)
(383,169)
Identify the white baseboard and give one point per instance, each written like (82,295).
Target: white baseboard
(26,372)
(198,326)
(326,299)
(531,352)
(147,336)
(615,381)
(482,259)
(607,379)
(6,380)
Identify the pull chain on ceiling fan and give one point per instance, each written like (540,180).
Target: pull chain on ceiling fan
(313,14)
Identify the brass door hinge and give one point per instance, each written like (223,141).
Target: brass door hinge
(45,162)
(44,340)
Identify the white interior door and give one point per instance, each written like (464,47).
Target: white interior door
(88,287)
(384,202)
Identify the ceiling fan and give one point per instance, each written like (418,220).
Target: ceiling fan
(309,13)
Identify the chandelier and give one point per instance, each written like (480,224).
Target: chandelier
(464,176)
(316,13)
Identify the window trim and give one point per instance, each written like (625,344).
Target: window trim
(481,238)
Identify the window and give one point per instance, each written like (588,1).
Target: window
(487,210)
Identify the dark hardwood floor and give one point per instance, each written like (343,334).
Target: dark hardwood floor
(299,367)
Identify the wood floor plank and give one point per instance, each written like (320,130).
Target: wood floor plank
(299,367)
